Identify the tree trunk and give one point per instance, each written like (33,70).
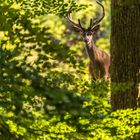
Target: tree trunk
(125,54)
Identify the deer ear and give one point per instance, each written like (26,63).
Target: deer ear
(96,28)
(76,29)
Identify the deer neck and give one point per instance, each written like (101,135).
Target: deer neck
(91,50)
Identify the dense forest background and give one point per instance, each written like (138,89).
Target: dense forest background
(45,87)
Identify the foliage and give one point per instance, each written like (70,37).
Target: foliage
(45,91)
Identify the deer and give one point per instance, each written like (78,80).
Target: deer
(99,64)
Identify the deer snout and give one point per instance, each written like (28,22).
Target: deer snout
(87,39)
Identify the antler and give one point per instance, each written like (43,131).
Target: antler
(92,23)
(79,26)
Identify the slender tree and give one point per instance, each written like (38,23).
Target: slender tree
(125,53)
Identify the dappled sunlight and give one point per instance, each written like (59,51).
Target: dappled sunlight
(46,90)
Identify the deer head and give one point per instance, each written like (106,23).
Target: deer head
(87,34)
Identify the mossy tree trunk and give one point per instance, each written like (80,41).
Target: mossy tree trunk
(125,54)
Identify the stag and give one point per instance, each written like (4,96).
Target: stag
(99,64)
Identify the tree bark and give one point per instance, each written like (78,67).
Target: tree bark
(125,54)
